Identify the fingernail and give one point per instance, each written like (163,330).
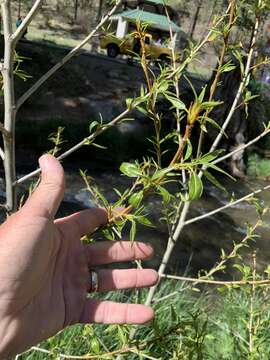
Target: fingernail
(44,162)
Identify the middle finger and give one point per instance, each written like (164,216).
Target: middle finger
(109,280)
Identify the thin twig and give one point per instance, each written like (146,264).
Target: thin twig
(251,307)
(176,79)
(173,239)
(242,147)
(88,139)
(197,48)
(229,205)
(142,355)
(214,85)
(216,282)
(241,86)
(178,228)
(226,257)
(87,356)
(166,297)
(21,29)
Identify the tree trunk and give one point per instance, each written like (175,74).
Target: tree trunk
(10,109)
(196,17)
(19,7)
(76,9)
(99,10)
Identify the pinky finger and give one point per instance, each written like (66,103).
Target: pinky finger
(109,312)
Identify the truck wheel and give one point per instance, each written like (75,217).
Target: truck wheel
(112,51)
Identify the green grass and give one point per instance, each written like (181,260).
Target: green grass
(189,325)
(258,166)
(67,41)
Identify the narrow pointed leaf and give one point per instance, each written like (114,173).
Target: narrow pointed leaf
(195,187)
(130,170)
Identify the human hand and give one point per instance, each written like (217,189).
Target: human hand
(44,269)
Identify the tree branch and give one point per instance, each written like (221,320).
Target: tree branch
(241,86)
(88,139)
(9,108)
(173,238)
(216,282)
(87,356)
(242,147)
(21,29)
(229,205)
(71,54)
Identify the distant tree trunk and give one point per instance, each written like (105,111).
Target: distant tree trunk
(214,6)
(99,11)
(19,8)
(76,9)
(196,17)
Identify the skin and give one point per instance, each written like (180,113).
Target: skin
(44,269)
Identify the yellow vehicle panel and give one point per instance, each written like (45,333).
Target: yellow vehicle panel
(127,46)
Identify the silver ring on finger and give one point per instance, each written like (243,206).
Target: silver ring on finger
(93,281)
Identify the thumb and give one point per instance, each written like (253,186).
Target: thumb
(47,197)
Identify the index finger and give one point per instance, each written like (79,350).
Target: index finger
(85,221)
(106,252)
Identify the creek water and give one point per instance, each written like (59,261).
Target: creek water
(200,244)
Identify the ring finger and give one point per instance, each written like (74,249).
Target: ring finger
(109,280)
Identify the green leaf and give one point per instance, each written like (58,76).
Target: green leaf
(202,95)
(210,104)
(130,170)
(221,171)
(95,345)
(99,146)
(166,196)
(174,314)
(216,125)
(117,192)
(178,104)
(195,187)
(136,199)
(122,336)
(129,102)
(93,125)
(188,151)
(160,173)
(163,86)
(229,68)
(214,181)
(144,221)
(133,229)
(207,158)
(101,197)
(142,93)
(142,110)
(108,235)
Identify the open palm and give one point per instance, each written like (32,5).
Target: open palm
(44,269)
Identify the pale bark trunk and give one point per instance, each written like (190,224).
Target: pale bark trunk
(10,109)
